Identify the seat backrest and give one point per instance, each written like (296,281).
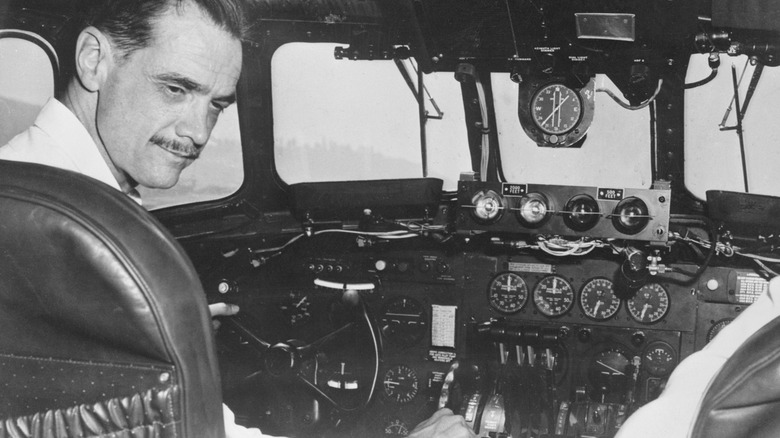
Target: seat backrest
(104,326)
(743,400)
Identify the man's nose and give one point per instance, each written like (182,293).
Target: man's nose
(196,124)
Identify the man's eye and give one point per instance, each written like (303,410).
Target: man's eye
(172,89)
(219,107)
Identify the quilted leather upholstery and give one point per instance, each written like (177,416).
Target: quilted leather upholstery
(98,305)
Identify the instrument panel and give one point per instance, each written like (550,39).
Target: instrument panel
(458,322)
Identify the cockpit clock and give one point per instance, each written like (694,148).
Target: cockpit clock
(554,113)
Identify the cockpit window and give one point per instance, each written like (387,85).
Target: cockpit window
(218,173)
(713,157)
(615,151)
(26,81)
(358,120)
(340,120)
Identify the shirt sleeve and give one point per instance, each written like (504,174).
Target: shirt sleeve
(233,430)
(672,414)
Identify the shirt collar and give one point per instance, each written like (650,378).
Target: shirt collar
(59,122)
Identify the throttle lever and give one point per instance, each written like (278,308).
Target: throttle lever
(233,322)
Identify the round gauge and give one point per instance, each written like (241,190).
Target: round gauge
(650,304)
(556,109)
(400,383)
(488,207)
(295,307)
(403,321)
(598,299)
(395,427)
(507,292)
(553,296)
(717,327)
(660,359)
(609,373)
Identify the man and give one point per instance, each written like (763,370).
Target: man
(149,81)
(144,113)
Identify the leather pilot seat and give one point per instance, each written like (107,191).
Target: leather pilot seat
(104,326)
(743,400)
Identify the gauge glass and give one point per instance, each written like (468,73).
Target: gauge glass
(488,207)
(403,321)
(556,109)
(400,383)
(507,292)
(553,296)
(659,359)
(295,307)
(609,373)
(598,299)
(650,304)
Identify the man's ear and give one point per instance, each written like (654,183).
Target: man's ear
(93,58)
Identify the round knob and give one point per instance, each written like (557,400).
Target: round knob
(712,284)
(380,265)
(226,286)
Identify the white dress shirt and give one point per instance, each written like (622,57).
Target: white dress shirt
(58,139)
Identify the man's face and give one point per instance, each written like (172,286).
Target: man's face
(156,110)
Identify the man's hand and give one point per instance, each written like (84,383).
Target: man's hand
(443,424)
(221,309)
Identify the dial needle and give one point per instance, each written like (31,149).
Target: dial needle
(644,310)
(610,368)
(556,109)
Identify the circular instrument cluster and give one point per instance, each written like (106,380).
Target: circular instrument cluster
(554,296)
(404,321)
(508,292)
(400,383)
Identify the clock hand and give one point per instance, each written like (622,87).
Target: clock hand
(556,109)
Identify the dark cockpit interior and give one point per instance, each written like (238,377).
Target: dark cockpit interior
(582,197)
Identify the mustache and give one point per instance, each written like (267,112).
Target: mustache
(189,150)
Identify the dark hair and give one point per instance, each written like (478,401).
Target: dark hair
(130,24)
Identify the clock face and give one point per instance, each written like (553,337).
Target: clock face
(553,114)
(556,109)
